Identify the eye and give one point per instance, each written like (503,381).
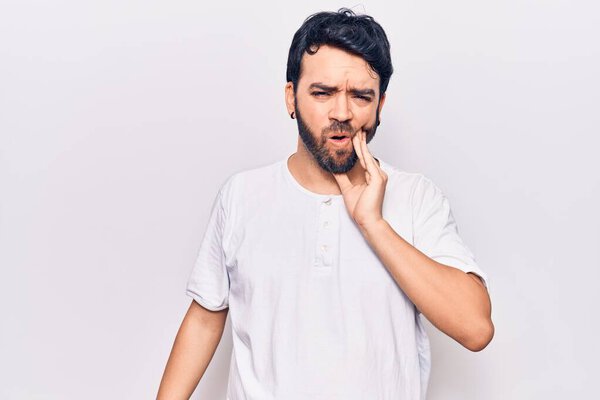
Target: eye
(320,94)
(365,98)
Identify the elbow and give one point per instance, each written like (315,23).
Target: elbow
(481,337)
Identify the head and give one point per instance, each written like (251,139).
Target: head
(338,70)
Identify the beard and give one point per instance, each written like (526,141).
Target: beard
(334,160)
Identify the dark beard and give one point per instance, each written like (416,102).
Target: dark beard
(317,146)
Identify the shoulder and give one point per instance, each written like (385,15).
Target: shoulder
(407,181)
(421,190)
(256,179)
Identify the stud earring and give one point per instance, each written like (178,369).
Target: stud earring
(292,115)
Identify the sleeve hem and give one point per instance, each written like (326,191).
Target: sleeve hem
(451,262)
(204,303)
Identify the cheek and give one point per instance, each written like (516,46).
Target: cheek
(317,119)
(368,119)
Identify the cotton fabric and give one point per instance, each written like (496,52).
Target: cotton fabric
(314,313)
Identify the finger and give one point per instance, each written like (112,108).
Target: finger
(368,156)
(372,166)
(356,143)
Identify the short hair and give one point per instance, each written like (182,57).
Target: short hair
(357,34)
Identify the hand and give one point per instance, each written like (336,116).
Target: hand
(364,201)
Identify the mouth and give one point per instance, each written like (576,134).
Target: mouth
(340,138)
(341,141)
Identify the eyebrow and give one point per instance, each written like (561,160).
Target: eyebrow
(327,88)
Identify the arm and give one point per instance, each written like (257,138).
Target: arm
(455,302)
(194,346)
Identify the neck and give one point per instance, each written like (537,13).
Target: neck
(309,174)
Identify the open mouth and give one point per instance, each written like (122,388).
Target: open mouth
(342,138)
(339,140)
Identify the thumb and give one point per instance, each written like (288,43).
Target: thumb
(343,181)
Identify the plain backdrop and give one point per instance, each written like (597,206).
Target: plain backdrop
(119,121)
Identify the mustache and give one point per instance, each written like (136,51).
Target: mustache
(339,127)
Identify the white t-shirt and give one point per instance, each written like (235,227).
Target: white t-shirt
(314,313)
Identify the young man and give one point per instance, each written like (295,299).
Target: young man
(327,257)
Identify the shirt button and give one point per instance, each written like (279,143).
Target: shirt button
(324,247)
(326,223)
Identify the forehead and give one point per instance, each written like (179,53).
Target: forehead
(334,66)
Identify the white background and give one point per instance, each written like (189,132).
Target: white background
(119,120)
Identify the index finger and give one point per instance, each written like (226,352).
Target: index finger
(358,149)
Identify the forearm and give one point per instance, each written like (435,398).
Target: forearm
(193,349)
(449,298)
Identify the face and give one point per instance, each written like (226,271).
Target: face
(338,94)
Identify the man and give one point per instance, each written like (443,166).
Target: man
(327,257)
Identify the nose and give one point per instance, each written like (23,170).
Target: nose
(340,109)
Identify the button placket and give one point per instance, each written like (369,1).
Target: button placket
(327,234)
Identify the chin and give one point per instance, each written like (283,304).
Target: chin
(330,164)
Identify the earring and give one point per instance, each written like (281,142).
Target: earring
(378,122)
(292,115)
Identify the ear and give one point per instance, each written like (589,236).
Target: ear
(381,101)
(289,97)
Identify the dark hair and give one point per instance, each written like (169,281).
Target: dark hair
(357,34)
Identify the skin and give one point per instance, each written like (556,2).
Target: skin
(457,303)
(194,347)
(331,113)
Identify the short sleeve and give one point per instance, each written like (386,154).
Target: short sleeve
(208,283)
(435,230)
